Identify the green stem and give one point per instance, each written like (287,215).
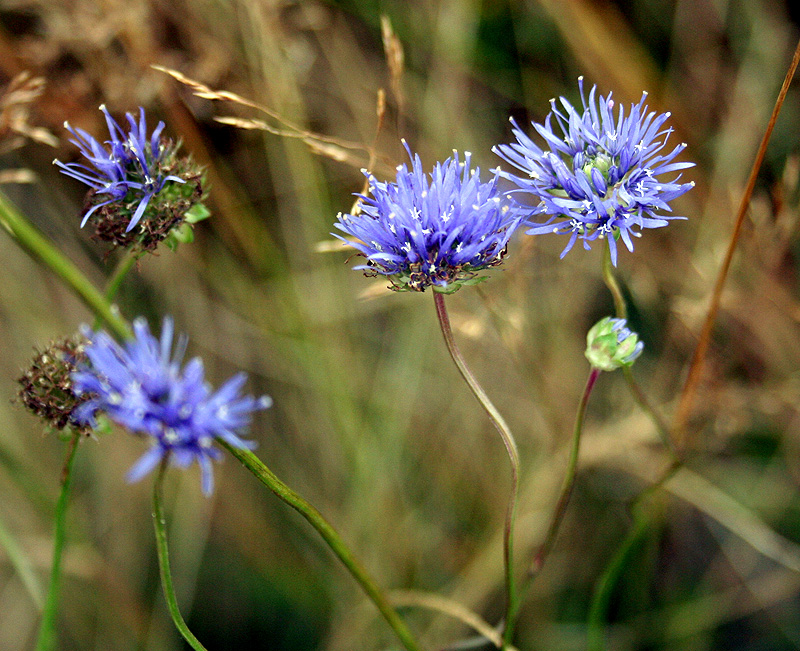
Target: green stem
(114,283)
(163,562)
(612,284)
(513,455)
(30,239)
(605,586)
(622,313)
(46,639)
(330,536)
(569,477)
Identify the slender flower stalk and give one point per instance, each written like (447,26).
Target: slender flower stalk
(115,282)
(46,639)
(569,478)
(636,391)
(565,492)
(32,241)
(160,525)
(602,593)
(330,536)
(513,455)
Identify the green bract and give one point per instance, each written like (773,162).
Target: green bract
(610,345)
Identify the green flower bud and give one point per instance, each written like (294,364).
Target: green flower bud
(610,345)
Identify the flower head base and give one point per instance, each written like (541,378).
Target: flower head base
(135,181)
(610,345)
(142,387)
(598,178)
(46,387)
(434,231)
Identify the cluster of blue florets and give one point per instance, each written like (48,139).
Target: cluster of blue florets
(598,174)
(599,178)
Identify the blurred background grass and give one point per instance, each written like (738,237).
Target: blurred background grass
(371,421)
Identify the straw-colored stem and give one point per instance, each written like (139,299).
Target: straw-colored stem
(698,358)
(513,455)
(160,526)
(331,537)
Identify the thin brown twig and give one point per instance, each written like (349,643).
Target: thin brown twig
(698,358)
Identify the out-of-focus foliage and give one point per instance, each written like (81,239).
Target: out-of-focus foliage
(370,420)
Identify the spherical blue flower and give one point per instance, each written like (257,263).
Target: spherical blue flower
(598,177)
(129,170)
(142,387)
(431,231)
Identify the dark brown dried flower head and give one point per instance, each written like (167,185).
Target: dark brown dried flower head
(46,387)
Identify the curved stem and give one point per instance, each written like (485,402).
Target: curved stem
(30,239)
(622,313)
(513,455)
(330,536)
(46,639)
(698,358)
(163,562)
(569,477)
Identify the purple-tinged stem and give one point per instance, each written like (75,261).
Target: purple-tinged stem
(513,455)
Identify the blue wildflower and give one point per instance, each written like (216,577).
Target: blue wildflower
(142,387)
(598,178)
(430,232)
(131,170)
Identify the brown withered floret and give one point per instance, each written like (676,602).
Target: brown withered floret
(46,386)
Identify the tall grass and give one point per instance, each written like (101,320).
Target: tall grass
(370,420)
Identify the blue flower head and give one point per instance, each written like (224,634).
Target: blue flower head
(438,230)
(142,387)
(133,179)
(599,177)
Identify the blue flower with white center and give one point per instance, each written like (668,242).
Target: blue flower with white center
(438,230)
(129,171)
(599,177)
(142,387)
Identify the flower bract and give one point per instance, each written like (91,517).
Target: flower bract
(143,387)
(597,173)
(610,344)
(438,230)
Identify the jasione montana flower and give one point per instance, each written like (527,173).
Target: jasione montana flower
(438,230)
(142,387)
(136,179)
(598,177)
